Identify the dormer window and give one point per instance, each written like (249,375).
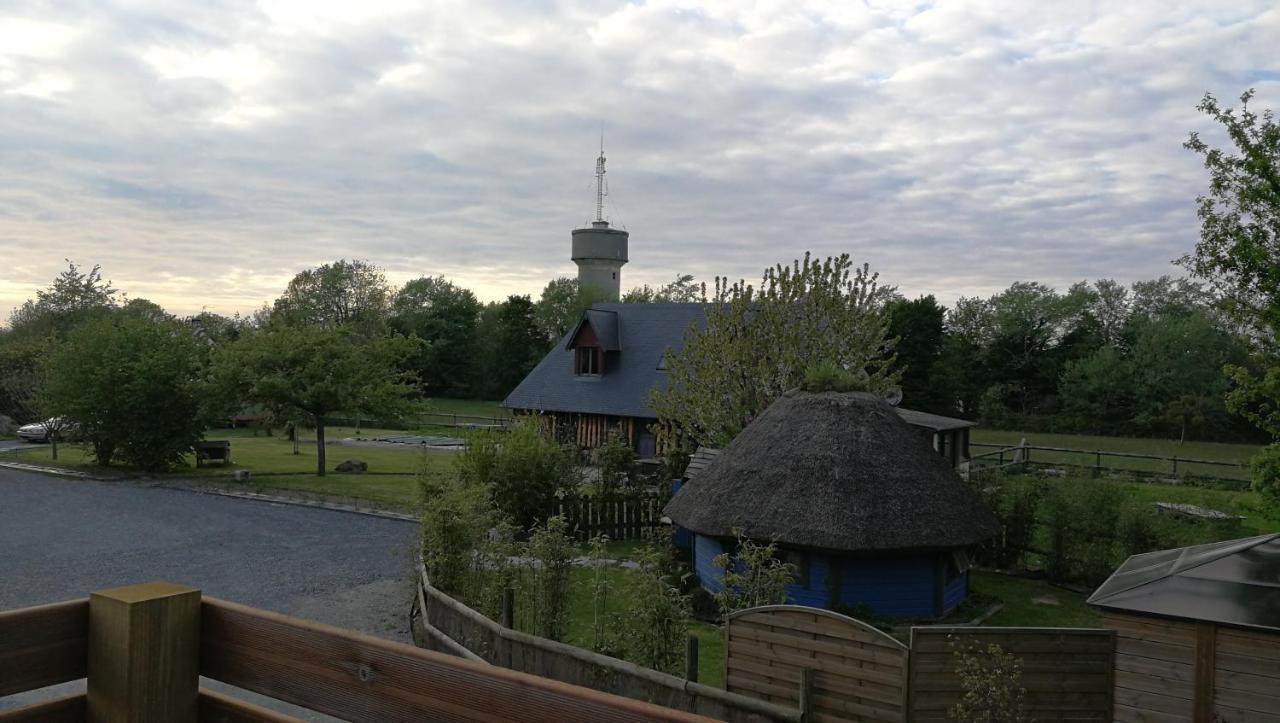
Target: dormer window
(588,360)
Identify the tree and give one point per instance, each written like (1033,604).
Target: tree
(681,291)
(524,468)
(561,305)
(133,388)
(74,297)
(316,372)
(444,317)
(343,293)
(752,576)
(918,327)
(758,343)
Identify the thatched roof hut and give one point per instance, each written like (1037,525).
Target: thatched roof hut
(833,471)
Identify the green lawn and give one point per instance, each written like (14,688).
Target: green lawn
(1238,453)
(1020,609)
(272,465)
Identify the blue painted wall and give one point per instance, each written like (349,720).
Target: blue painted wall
(900,586)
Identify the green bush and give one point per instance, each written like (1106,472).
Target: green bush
(752,576)
(456,517)
(1016,512)
(656,627)
(1266,477)
(524,468)
(615,460)
(550,555)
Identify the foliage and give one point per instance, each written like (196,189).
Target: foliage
(524,468)
(561,306)
(681,291)
(992,683)
(656,625)
(510,345)
(758,342)
(919,328)
(1266,477)
(315,371)
(456,517)
(444,317)
(1081,521)
(615,460)
(23,370)
(1016,513)
(601,587)
(831,378)
(550,553)
(752,576)
(132,386)
(75,297)
(351,294)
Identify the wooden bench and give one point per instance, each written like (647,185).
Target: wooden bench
(218,449)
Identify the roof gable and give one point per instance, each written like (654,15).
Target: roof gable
(597,328)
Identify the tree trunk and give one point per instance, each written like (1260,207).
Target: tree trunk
(319,445)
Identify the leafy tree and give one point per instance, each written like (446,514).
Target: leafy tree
(1239,254)
(445,317)
(1099,391)
(992,682)
(918,327)
(75,297)
(561,305)
(758,343)
(22,373)
(132,386)
(681,291)
(509,345)
(316,372)
(344,293)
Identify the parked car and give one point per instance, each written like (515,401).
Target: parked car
(39,431)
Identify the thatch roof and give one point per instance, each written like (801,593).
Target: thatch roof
(837,472)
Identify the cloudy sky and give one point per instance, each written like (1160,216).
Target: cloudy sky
(203,153)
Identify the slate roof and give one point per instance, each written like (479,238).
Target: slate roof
(835,472)
(642,333)
(1236,582)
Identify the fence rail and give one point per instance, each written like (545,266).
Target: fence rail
(143,649)
(1092,459)
(620,517)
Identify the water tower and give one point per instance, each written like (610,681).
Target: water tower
(600,251)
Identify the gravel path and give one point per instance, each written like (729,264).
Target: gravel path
(62,539)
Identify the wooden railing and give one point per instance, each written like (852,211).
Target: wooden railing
(143,648)
(1092,460)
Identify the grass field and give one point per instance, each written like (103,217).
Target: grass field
(1019,596)
(272,465)
(1218,451)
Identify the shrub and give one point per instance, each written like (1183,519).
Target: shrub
(831,378)
(550,555)
(524,468)
(1266,478)
(1136,530)
(1016,512)
(991,679)
(752,576)
(655,628)
(456,517)
(615,460)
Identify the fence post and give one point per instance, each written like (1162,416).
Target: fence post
(1175,465)
(144,653)
(691,659)
(1097,464)
(806,695)
(508,608)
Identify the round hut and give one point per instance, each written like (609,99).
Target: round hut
(869,514)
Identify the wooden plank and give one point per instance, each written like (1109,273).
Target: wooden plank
(215,707)
(1206,637)
(1155,651)
(834,647)
(144,643)
(1153,701)
(1240,715)
(744,650)
(43,645)
(853,710)
(1264,647)
(1180,672)
(1259,702)
(1253,665)
(1247,683)
(1155,684)
(360,677)
(1129,714)
(67,709)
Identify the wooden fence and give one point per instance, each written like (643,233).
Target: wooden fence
(831,666)
(450,626)
(1177,671)
(1067,672)
(621,517)
(1234,474)
(143,649)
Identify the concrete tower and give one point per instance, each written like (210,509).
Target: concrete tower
(600,251)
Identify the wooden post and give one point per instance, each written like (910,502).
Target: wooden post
(508,608)
(691,659)
(806,695)
(144,653)
(1175,466)
(1206,661)
(1097,464)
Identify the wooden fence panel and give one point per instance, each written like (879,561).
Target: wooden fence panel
(1155,669)
(43,645)
(1066,672)
(859,672)
(620,517)
(1246,676)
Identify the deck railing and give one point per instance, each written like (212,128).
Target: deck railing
(143,649)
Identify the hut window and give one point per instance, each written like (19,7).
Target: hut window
(587,361)
(960,563)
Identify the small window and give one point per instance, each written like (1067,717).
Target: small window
(587,361)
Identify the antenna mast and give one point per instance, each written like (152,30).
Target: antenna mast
(600,192)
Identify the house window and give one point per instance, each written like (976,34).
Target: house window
(587,360)
(800,564)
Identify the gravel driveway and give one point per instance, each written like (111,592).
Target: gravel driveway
(62,539)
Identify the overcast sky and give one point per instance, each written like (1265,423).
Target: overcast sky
(204,153)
